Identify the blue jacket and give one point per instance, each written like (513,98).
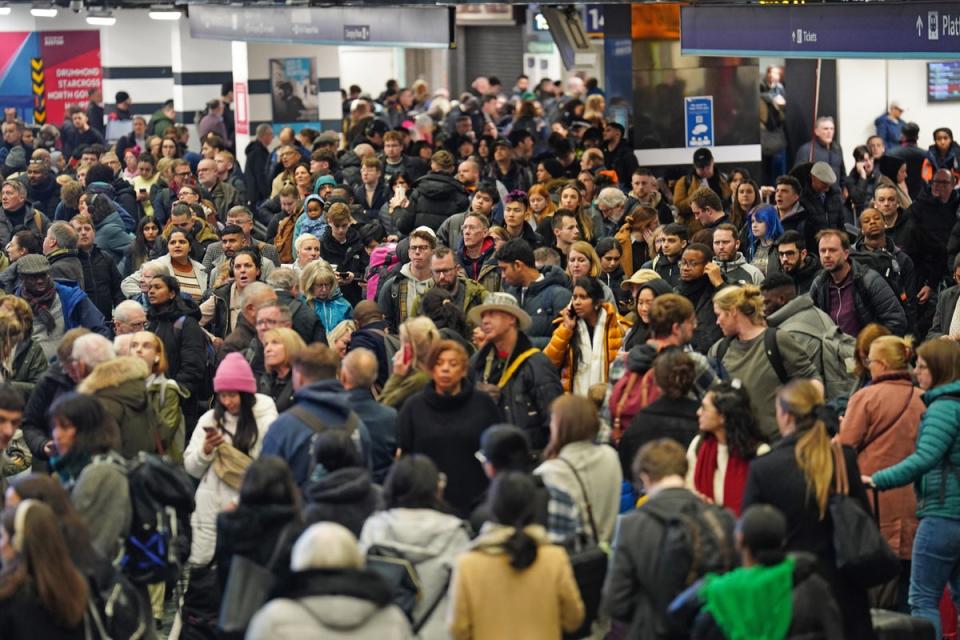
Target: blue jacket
(332,311)
(889,130)
(381,422)
(289,437)
(79,311)
(544,300)
(937,453)
(112,237)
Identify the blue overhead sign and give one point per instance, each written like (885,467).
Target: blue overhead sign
(698,117)
(859,30)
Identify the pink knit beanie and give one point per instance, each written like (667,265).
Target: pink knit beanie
(234,374)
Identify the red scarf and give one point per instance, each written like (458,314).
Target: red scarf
(734,480)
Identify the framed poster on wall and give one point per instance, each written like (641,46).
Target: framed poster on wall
(293,88)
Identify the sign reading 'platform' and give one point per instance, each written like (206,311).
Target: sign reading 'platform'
(874,30)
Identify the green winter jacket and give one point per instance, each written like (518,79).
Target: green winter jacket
(934,466)
(29,363)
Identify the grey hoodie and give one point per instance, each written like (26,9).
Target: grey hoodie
(739,271)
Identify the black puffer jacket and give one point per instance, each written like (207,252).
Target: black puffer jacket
(873,299)
(346,496)
(815,612)
(185,346)
(543,301)
(435,197)
(525,398)
(101,280)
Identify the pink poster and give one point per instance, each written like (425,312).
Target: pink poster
(71,62)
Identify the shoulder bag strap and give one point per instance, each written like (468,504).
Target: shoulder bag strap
(773,354)
(419,624)
(512,369)
(841,482)
(282,540)
(586,499)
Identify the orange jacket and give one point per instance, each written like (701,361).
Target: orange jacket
(560,350)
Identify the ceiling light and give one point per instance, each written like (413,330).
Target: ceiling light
(4,10)
(164,12)
(44,12)
(101,21)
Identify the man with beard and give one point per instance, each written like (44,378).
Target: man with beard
(853,296)
(795,261)
(43,191)
(645,192)
(467,293)
(700,278)
(57,307)
(727,256)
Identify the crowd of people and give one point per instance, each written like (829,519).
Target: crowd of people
(464,369)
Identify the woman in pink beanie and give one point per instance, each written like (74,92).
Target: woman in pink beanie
(227,437)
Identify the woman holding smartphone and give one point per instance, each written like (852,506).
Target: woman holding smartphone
(227,439)
(587,337)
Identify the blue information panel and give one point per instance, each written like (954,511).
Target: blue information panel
(857,30)
(698,115)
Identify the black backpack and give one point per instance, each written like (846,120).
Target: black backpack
(116,608)
(770,347)
(400,573)
(696,540)
(884,263)
(159,541)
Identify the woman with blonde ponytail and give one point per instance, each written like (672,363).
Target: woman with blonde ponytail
(743,352)
(797,477)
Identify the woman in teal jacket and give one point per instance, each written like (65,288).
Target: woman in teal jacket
(319,285)
(934,468)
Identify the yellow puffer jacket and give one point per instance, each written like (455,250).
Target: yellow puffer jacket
(560,349)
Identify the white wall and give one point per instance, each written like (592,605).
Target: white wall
(370,67)
(866,88)
(327,67)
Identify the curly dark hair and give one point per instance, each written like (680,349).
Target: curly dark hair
(733,402)
(674,372)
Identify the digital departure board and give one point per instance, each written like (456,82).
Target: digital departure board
(943,81)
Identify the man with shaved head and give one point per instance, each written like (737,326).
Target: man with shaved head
(358,372)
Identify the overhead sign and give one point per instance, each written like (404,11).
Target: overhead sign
(860,30)
(428,27)
(698,119)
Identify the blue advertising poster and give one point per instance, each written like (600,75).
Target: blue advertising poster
(698,112)
(293,83)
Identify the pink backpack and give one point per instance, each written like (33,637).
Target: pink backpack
(382,261)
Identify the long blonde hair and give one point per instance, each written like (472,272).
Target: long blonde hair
(803,400)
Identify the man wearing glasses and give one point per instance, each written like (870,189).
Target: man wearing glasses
(700,278)
(466,293)
(400,294)
(129,318)
(796,262)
